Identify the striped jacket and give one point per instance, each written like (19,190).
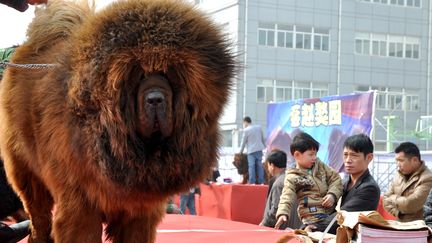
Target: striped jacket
(310,188)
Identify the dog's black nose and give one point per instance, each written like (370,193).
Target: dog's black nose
(155,98)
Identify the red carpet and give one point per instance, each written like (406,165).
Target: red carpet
(198,229)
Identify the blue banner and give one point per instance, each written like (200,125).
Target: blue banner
(330,120)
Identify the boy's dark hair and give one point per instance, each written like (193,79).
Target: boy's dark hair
(410,150)
(359,143)
(247,119)
(278,158)
(302,142)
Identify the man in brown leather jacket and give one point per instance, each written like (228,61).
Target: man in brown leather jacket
(411,185)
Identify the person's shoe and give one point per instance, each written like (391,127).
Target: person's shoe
(15,232)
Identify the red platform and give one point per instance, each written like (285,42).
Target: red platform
(197,229)
(219,206)
(238,202)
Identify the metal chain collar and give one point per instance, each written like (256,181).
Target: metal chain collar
(27,66)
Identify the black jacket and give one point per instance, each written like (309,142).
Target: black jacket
(363,196)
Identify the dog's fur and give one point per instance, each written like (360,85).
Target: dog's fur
(82,135)
(241,164)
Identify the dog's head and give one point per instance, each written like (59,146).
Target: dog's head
(148,82)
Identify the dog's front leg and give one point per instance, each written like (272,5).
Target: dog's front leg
(76,221)
(137,228)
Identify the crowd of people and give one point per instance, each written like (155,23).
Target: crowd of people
(318,193)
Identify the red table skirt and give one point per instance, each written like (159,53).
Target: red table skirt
(238,202)
(197,229)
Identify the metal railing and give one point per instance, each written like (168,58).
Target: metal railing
(383,168)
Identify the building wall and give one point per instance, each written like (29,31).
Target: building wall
(352,69)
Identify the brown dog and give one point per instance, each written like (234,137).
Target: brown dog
(126,118)
(241,164)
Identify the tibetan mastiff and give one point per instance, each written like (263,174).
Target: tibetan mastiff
(125,115)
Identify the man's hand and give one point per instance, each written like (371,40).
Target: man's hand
(390,200)
(281,220)
(310,228)
(328,201)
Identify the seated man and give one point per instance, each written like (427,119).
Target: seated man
(411,185)
(276,163)
(360,191)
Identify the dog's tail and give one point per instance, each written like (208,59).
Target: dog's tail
(57,21)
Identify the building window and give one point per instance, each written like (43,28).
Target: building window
(387,45)
(379,45)
(265,90)
(303,37)
(362,44)
(227,138)
(321,39)
(302,90)
(285,35)
(266,34)
(400,3)
(393,99)
(412,102)
(381,101)
(396,44)
(412,46)
(292,36)
(281,91)
(319,90)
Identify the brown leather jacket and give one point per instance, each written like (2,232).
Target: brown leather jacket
(406,196)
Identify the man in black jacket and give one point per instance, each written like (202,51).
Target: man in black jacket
(361,192)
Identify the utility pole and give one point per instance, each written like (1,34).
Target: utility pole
(389,142)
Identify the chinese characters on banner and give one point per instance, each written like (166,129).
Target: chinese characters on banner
(330,120)
(316,114)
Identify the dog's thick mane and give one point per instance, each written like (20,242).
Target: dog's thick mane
(100,55)
(56,22)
